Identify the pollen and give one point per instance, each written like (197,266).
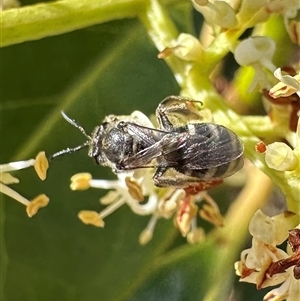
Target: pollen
(260,147)
(279,156)
(41,165)
(38,202)
(145,236)
(89,217)
(134,189)
(80,181)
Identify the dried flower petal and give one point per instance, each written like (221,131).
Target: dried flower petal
(210,214)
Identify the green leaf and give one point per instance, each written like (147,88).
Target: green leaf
(53,255)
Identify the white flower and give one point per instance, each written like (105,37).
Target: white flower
(257,52)
(289,291)
(287,86)
(218,13)
(280,156)
(130,189)
(41,165)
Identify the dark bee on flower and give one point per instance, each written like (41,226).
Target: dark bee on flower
(183,150)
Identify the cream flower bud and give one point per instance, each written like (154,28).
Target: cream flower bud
(280,156)
(188,48)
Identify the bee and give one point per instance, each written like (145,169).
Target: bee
(182,150)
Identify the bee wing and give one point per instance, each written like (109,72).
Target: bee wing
(206,146)
(143,158)
(214,146)
(147,134)
(168,146)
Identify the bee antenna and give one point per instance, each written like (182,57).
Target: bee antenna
(69,150)
(77,148)
(74,123)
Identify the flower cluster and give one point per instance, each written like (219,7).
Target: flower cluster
(40,164)
(197,63)
(264,264)
(136,189)
(279,155)
(249,13)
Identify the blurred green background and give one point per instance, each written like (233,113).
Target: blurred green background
(104,69)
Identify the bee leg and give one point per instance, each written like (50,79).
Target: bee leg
(202,186)
(167,176)
(177,108)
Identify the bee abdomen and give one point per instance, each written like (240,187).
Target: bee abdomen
(228,169)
